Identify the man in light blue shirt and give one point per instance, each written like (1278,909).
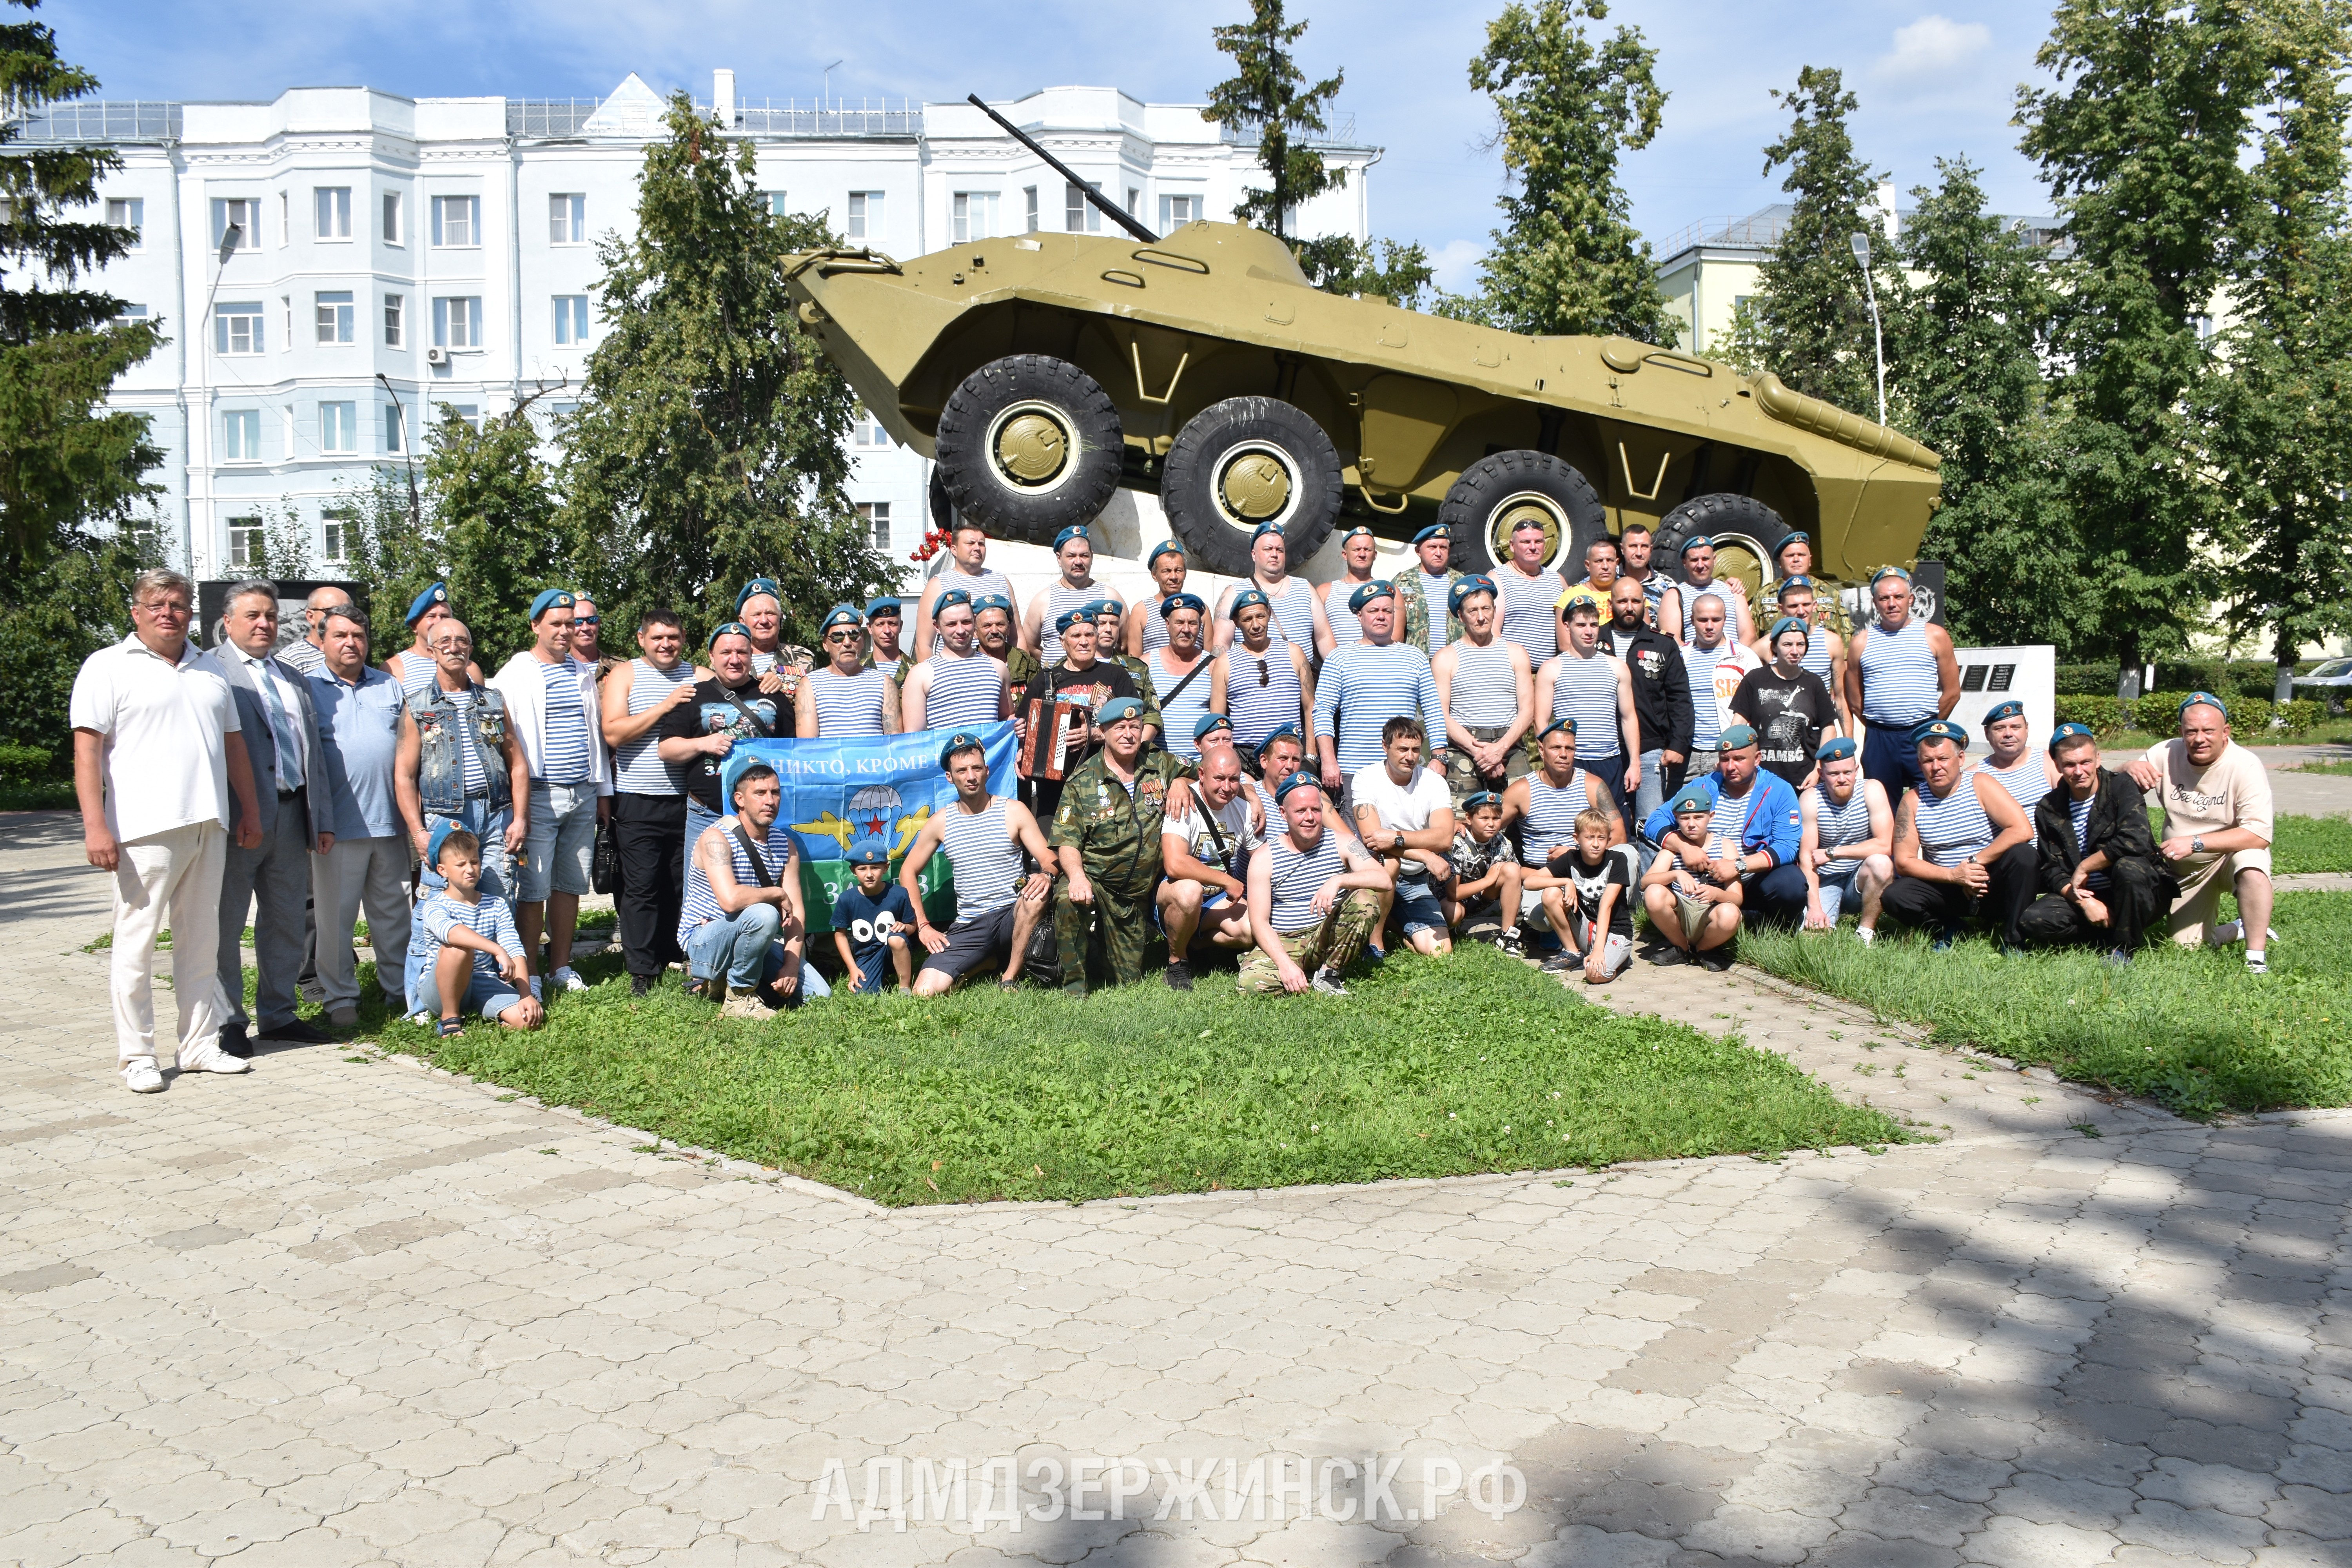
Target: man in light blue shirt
(1366,684)
(358,724)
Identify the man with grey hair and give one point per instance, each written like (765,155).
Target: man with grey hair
(158,754)
(280,730)
(2219,821)
(303,653)
(358,724)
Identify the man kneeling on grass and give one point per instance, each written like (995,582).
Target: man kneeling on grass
(1201,841)
(1693,890)
(983,835)
(1313,897)
(742,926)
(470,957)
(1847,842)
(2102,882)
(2218,826)
(1962,847)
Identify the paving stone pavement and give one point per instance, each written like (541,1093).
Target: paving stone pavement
(345,1312)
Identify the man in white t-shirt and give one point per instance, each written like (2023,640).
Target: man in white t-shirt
(1405,814)
(2219,820)
(158,753)
(1213,824)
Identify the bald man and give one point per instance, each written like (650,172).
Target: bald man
(304,653)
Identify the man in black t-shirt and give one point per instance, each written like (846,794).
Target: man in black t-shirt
(1078,677)
(1787,705)
(696,736)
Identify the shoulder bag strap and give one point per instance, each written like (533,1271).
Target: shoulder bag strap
(759,861)
(1189,675)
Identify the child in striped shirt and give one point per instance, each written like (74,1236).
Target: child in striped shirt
(466,955)
(1691,903)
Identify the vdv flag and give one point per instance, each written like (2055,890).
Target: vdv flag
(875,786)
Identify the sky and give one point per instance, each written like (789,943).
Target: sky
(1931,84)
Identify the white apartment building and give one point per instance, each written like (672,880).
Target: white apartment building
(335,268)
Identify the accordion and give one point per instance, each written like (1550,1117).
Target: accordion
(1056,733)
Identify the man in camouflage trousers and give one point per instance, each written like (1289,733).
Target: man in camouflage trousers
(1106,833)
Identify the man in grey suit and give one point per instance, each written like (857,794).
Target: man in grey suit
(281,730)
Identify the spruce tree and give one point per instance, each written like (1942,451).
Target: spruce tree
(495,513)
(1268,93)
(1568,258)
(710,445)
(1809,319)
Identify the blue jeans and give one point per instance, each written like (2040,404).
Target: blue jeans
(743,948)
(560,838)
(1646,800)
(488,994)
(489,824)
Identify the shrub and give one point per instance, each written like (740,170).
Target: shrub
(27,764)
(2301,716)
(2107,716)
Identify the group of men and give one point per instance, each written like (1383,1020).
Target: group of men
(1301,773)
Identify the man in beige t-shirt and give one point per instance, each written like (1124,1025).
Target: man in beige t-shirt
(2216,796)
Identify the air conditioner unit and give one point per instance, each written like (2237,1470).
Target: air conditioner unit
(437,356)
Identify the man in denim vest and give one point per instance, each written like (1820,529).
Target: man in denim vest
(460,764)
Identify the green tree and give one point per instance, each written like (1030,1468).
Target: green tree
(711,443)
(388,549)
(1397,272)
(2280,438)
(1568,258)
(1809,321)
(2140,142)
(1973,338)
(496,524)
(1267,94)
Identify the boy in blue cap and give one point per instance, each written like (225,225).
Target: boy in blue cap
(871,919)
(467,956)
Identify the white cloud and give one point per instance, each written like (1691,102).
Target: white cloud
(1456,264)
(1932,48)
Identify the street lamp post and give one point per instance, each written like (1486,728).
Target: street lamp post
(1861,244)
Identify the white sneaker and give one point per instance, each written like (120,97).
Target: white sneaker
(568,979)
(2258,964)
(140,1076)
(1864,937)
(213,1059)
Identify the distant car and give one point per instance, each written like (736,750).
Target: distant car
(2331,678)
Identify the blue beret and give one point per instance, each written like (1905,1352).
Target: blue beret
(1073,616)
(947,601)
(1797,536)
(1434,531)
(842,615)
(1165,547)
(885,605)
(1106,605)
(550,599)
(1477,583)
(1692,798)
(1788,624)
(1175,602)
(440,835)
(436,595)
(1378,588)
(1283,733)
(1479,797)
(991,602)
(870,852)
(727,629)
(1837,748)
(1940,730)
(1563,722)
(1696,542)
(1264,529)
(1119,708)
(1245,598)
(2008,707)
(1794,580)
(1076,530)
(1212,719)
(1735,736)
(1352,532)
(961,741)
(1888,571)
(754,589)
(1293,783)
(2208,699)
(2065,732)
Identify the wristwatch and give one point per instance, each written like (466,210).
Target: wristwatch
(2197,845)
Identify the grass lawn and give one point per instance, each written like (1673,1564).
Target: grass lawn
(2336,769)
(1432,1068)
(2191,1028)
(2312,844)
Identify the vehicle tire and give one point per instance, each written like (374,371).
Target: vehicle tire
(1495,492)
(1744,529)
(942,504)
(1243,463)
(1029,445)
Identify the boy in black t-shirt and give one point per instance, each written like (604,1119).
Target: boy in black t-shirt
(1601,941)
(871,919)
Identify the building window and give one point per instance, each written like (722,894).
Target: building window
(245,543)
(339,428)
(236,328)
(1134,200)
(975,216)
(339,534)
(392,218)
(572,318)
(285,218)
(127,212)
(242,214)
(868,430)
(1080,215)
(1029,198)
(241,435)
(864,215)
(394,308)
(396,428)
(877,514)
(457,221)
(337,318)
(131,316)
(1175,212)
(773,203)
(567,219)
(457,324)
(332,210)
(470,413)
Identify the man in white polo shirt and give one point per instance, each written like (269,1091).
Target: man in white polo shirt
(157,754)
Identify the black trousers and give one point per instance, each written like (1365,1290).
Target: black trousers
(647,830)
(2134,900)
(1945,907)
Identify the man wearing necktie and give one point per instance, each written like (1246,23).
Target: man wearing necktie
(281,734)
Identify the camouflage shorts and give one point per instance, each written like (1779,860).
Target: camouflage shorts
(1332,944)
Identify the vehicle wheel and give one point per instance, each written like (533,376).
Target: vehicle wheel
(942,504)
(1496,493)
(1029,444)
(1744,529)
(1243,463)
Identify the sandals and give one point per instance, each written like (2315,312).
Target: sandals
(448,1026)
